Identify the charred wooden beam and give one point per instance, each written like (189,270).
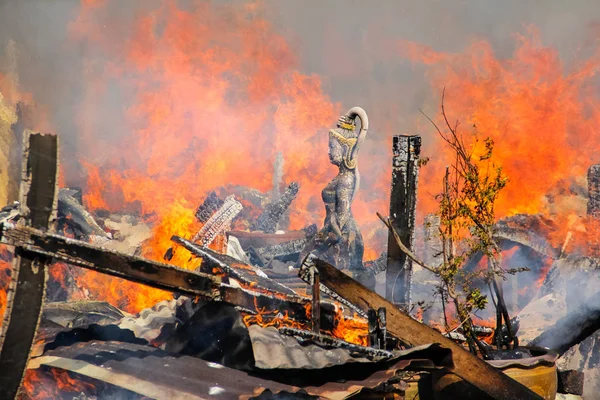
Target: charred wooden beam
(15,154)
(218,222)
(403,199)
(28,275)
(243,273)
(209,206)
(268,220)
(316,303)
(399,324)
(82,254)
(572,329)
(161,276)
(372,327)
(570,382)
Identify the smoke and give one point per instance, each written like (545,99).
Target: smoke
(575,285)
(349,44)
(351,47)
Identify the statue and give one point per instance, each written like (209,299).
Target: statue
(340,242)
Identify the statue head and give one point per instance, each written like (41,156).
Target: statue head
(344,141)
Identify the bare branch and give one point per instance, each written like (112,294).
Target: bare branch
(405,249)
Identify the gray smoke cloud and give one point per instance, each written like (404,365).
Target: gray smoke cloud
(349,44)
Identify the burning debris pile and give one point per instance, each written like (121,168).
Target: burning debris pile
(244,322)
(244,299)
(231,313)
(229,297)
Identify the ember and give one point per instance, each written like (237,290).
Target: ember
(41,384)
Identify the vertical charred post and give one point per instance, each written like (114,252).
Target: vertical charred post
(38,199)
(593,210)
(373,326)
(382,327)
(403,200)
(316,303)
(377,326)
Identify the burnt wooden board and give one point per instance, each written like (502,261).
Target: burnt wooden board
(467,366)
(232,267)
(162,276)
(136,269)
(28,274)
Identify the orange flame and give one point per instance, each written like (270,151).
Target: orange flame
(353,330)
(541,117)
(5,268)
(40,384)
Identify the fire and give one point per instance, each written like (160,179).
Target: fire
(4,279)
(541,116)
(40,384)
(209,101)
(213,103)
(354,330)
(265,318)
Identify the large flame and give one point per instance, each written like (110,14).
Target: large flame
(542,118)
(211,93)
(215,97)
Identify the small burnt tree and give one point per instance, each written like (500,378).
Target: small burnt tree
(470,188)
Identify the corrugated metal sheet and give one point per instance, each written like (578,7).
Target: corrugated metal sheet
(157,374)
(154,373)
(273,350)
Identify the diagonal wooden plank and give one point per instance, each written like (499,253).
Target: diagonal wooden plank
(38,196)
(34,243)
(467,366)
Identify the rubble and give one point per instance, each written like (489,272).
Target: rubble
(77,314)
(73,217)
(528,230)
(232,314)
(288,251)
